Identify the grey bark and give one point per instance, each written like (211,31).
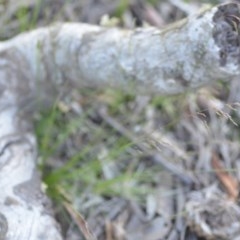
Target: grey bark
(33,66)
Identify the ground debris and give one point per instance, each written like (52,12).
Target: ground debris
(211,214)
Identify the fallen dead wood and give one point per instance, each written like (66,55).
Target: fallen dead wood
(36,66)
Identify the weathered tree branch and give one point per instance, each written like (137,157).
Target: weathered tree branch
(35,66)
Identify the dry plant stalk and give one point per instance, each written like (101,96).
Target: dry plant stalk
(36,65)
(230,183)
